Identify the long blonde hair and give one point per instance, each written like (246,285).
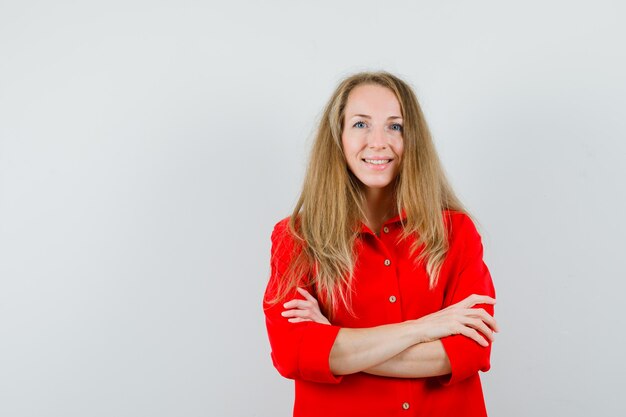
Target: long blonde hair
(325,221)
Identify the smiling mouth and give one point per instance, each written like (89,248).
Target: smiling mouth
(377,161)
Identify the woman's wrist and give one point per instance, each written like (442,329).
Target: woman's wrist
(416,328)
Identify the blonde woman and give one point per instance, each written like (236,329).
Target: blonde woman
(379,302)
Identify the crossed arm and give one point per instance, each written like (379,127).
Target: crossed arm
(411,349)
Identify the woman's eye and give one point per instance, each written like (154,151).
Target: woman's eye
(359,125)
(397,127)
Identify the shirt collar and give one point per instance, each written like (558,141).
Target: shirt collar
(396,219)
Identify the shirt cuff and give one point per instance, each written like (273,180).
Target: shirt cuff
(315,347)
(466,358)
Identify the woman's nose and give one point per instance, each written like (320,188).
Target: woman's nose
(377,138)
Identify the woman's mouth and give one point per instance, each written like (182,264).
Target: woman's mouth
(377,164)
(377,161)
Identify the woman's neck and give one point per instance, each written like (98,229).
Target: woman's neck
(380,205)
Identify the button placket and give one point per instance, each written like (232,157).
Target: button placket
(393,306)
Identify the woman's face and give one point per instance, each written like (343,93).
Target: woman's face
(372,135)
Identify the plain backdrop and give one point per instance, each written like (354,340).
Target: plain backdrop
(148,147)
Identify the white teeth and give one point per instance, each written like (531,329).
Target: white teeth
(377,161)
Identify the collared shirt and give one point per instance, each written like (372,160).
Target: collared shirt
(388,288)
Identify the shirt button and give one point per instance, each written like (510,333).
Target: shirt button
(392,299)
(405,406)
(387,262)
(386,229)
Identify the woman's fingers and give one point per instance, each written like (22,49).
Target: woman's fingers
(474,335)
(474,323)
(309,300)
(488,319)
(474,299)
(479,325)
(304,315)
(485,317)
(304,310)
(297,303)
(307,314)
(297,320)
(306,295)
(479,320)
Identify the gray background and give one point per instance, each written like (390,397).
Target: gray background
(148,147)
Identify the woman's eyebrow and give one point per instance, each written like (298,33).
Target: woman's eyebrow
(365,116)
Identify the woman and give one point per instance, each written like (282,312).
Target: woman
(379,302)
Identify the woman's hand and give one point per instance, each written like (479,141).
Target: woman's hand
(460,318)
(304,310)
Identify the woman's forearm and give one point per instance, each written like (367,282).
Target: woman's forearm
(418,361)
(359,349)
(355,350)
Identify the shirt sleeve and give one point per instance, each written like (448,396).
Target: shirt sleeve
(466,356)
(299,350)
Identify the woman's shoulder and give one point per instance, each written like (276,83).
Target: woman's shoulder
(460,224)
(285,245)
(282,229)
(283,238)
(282,224)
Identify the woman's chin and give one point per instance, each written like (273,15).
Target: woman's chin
(376,185)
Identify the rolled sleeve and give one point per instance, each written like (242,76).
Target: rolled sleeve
(299,350)
(317,341)
(466,356)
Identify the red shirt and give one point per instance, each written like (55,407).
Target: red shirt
(388,288)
